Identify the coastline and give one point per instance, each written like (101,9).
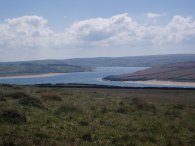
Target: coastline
(30,76)
(148,82)
(160,82)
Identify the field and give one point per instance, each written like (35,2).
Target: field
(40,116)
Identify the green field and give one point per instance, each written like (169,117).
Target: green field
(34,116)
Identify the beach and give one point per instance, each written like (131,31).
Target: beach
(30,76)
(159,82)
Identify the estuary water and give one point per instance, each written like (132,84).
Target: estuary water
(94,77)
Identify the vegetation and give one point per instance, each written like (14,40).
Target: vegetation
(86,64)
(38,67)
(40,116)
(12,116)
(132,61)
(182,71)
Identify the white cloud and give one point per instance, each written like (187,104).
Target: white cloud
(28,26)
(33,32)
(122,29)
(104,31)
(24,32)
(177,30)
(154,15)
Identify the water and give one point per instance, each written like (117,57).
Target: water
(94,77)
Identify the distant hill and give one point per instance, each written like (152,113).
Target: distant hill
(183,71)
(38,67)
(132,61)
(86,64)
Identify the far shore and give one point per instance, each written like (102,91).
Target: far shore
(30,76)
(160,82)
(148,82)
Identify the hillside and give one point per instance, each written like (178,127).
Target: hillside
(86,64)
(131,61)
(38,67)
(183,71)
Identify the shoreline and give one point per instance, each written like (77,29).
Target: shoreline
(148,82)
(166,83)
(30,76)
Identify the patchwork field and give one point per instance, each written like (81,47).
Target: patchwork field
(40,116)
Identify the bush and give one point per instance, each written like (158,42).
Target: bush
(3,99)
(6,85)
(83,123)
(51,96)
(173,112)
(139,103)
(122,110)
(87,137)
(12,116)
(68,108)
(104,110)
(179,106)
(17,95)
(30,101)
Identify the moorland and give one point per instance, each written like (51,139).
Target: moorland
(59,116)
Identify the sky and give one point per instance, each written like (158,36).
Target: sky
(60,29)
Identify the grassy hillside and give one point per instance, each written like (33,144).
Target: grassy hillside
(132,61)
(86,64)
(183,71)
(32,116)
(38,67)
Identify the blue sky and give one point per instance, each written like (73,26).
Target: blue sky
(91,28)
(56,10)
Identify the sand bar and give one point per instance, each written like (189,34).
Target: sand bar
(159,82)
(31,76)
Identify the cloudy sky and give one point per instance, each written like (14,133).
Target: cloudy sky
(59,29)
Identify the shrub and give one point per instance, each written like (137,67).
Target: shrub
(13,140)
(139,103)
(87,137)
(52,96)
(3,99)
(6,85)
(179,106)
(12,116)
(68,108)
(173,112)
(17,95)
(104,110)
(31,102)
(151,107)
(122,110)
(83,123)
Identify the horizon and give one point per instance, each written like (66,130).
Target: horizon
(95,57)
(40,30)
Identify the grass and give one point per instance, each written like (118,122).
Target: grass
(51,96)
(30,101)
(12,116)
(97,117)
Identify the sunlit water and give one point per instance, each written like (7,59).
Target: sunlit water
(94,77)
